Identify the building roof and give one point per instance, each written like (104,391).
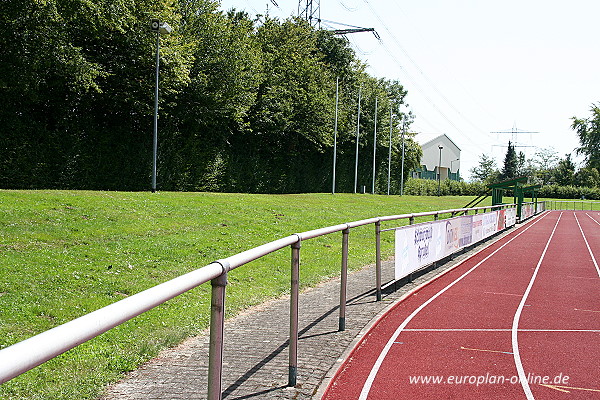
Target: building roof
(425,138)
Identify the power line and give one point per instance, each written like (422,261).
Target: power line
(422,93)
(415,30)
(409,58)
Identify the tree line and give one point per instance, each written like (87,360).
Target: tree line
(245,105)
(546,167)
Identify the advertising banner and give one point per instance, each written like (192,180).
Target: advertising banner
(501,221)
(466,231)
(416,246)
(489,224)
(527,211)
(452,228)
(423,244)
(477,228)
(511,217)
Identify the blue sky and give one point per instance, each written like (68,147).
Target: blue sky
(472,67)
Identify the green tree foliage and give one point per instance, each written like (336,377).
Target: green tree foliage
(76,91)
(545,163)
(486,171)
(511,163)
(564,175)
(245,105)
(587,177)
(588,131)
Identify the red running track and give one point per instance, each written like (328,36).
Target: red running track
(518,320)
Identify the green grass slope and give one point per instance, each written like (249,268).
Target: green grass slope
(66,253)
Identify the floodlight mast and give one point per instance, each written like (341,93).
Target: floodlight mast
(165,29)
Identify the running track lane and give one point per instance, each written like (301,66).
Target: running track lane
(565,295)
(466,332)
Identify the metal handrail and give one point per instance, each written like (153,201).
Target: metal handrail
(554,204)
(28,354)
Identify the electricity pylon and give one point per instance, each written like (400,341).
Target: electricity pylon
(310,10)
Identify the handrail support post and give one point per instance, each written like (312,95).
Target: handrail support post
(343,280)
(217,324)
(378,260)
(294,303)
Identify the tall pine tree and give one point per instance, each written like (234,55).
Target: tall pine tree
(511,163)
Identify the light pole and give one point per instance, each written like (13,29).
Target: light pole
(335,128)
(357,137)
(374,147)
(440,170)
(390,151)
(402,170)
(164,28)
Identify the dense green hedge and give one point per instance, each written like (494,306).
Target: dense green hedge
(569,192)
(428,187)
(244,106)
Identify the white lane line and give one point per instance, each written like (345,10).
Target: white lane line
(485,350)
(515,325)
(588,246)
(499,330)
(582,277)
(503,294)
(592,218)
(375,369)
(579,309)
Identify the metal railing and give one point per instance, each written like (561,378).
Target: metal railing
(574,205)
(26,355)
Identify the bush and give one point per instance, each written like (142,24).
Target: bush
(429,187)
(569,192)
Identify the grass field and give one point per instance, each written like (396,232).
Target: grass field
(66,253)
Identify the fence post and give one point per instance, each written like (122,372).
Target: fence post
(411,221)
(295,292)
(378,260)
(343,280)
(215,352)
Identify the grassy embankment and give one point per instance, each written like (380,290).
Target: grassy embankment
(66,253)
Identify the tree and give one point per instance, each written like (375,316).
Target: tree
(76,91)
(545,163)
(523,168)
(565,172)
(511,163)
(588,131)
(588,177)
(243,105)
(486,171)
(211,113)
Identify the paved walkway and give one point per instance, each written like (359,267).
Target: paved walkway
(256,352)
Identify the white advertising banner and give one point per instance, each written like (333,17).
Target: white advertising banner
(423,244)
(477,227)
(489,224)
(527,211)
(511,216)
(452,230)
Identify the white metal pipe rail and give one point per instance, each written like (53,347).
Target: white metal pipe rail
(28,354)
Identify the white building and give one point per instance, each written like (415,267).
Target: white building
(439,152)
